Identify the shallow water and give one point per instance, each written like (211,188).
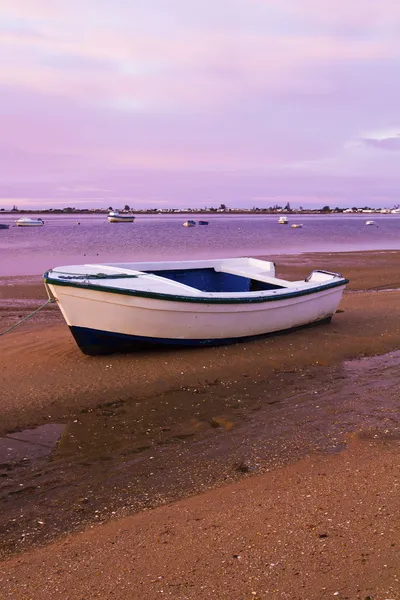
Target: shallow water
(62,241)
(29,445)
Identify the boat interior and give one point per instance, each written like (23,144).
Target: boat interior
(230,275)
(210,280)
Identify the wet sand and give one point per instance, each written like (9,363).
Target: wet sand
(145,430)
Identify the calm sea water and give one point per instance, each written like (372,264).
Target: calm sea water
(62,241)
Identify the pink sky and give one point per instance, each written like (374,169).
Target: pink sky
(178,103)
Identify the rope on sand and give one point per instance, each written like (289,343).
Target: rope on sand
(383,287)
(49,301)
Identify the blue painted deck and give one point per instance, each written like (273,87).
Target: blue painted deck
(208,280)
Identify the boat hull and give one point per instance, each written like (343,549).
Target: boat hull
(121,219)
(103,322)
(29,224)
(94,342)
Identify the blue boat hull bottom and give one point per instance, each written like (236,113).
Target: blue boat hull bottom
(95,342)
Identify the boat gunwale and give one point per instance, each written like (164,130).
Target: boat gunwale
(195,299)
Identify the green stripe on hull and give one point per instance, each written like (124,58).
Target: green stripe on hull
(195,299)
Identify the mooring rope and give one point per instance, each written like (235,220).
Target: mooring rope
(383,286)
(49,301)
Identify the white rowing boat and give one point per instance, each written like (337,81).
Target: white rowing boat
(116,217)
(116,307)
(29,222)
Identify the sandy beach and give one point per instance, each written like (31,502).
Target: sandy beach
(261,470)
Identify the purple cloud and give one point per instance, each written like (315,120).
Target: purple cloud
(20,32)
(76,62)
(391,143)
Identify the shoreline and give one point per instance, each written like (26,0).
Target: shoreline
(283,261)
(199,211)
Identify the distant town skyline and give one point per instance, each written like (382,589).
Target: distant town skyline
(190,104)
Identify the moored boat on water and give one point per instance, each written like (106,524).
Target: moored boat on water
(125,306)
(189,223)
(29,222)
(203,222)
(283,221)
(115,216)
(4,226)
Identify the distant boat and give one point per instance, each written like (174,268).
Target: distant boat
(189,223)
(371,223)
(297,225)
(29,222)
(115,216)
(4,226)
(203,222)
(117,307)
(283,221)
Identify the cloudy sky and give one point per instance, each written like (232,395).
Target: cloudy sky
(169,103)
